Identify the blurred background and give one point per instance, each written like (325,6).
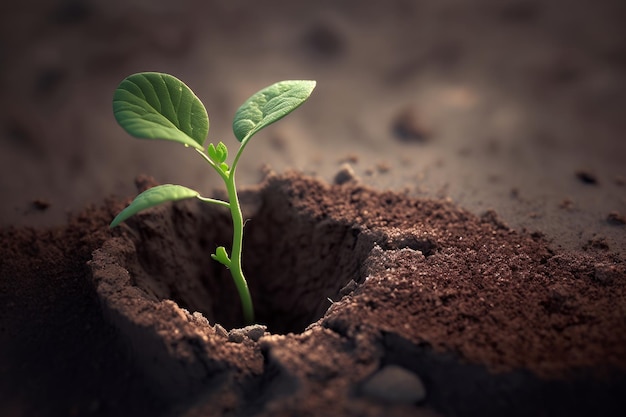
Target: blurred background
(511,105)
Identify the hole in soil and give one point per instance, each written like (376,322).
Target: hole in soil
(293,262)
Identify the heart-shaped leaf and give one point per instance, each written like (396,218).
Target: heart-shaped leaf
(151,105)
(152,197)
(270,105)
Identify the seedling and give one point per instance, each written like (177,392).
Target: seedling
(152,105)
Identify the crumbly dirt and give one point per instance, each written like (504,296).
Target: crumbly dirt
(348,281)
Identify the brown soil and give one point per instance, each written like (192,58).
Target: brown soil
(349,281)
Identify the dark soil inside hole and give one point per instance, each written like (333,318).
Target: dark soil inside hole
(490,320)
(296,264)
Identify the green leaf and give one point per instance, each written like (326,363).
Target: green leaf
(270,105)
(151,105)
(152,197)
(221,256)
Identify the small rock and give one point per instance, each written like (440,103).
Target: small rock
(616,219)
(41,204)
(236,335)
(586,177)
(408,127)
(200,319)
(395,385)
(255,332)
(220,330)
(346,174)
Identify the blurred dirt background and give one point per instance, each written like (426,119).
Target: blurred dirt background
(516,106)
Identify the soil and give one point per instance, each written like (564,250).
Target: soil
(347,282)
(441,231)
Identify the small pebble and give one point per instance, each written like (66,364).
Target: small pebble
(394,385)
(220,330)
(255,332)
(236,335)
(41,204)
(200,319)
(586,177)
(346,174)
(408,127)
(616,219)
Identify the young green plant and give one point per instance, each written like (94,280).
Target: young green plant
(151,105)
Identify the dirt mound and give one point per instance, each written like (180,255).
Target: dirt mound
(485,319)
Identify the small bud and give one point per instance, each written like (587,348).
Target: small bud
(222,152)
(212,152)
(221,256)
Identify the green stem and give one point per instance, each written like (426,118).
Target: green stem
(236,270)
(235,256)
(215,167)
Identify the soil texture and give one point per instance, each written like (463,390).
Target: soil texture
(369,303)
